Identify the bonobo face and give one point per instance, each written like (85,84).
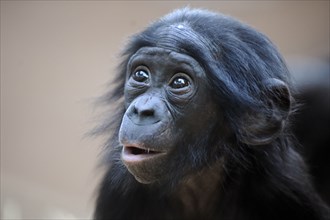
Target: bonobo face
(167,107)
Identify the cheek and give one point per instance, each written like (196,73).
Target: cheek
(199,115)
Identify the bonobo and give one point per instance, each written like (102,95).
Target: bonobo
(202,128)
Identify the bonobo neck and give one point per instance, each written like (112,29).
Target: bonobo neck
(198,192)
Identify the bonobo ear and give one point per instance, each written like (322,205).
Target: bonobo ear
(263,127)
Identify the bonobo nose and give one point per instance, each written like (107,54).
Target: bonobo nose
(145,110)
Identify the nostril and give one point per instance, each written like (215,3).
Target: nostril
(135,111)
(148,112)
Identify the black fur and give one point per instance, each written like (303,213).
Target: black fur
(261,181)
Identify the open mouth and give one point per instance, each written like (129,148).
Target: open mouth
(137,154)
(137,151)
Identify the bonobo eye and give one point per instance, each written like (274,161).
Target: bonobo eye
(179,82)
(140,74)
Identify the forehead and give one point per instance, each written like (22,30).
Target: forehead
(161,56)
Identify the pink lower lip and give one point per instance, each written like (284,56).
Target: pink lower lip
(129,156)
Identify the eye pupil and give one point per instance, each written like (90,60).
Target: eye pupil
(179,82)
(140,76)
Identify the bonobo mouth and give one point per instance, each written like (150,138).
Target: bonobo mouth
(138,154)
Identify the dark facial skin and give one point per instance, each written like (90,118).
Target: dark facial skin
(165,94)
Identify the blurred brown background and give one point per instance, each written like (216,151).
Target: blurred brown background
(57,56)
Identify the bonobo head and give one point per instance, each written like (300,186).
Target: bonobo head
(194,83)
(168,106)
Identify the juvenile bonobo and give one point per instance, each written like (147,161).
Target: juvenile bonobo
(202,127)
